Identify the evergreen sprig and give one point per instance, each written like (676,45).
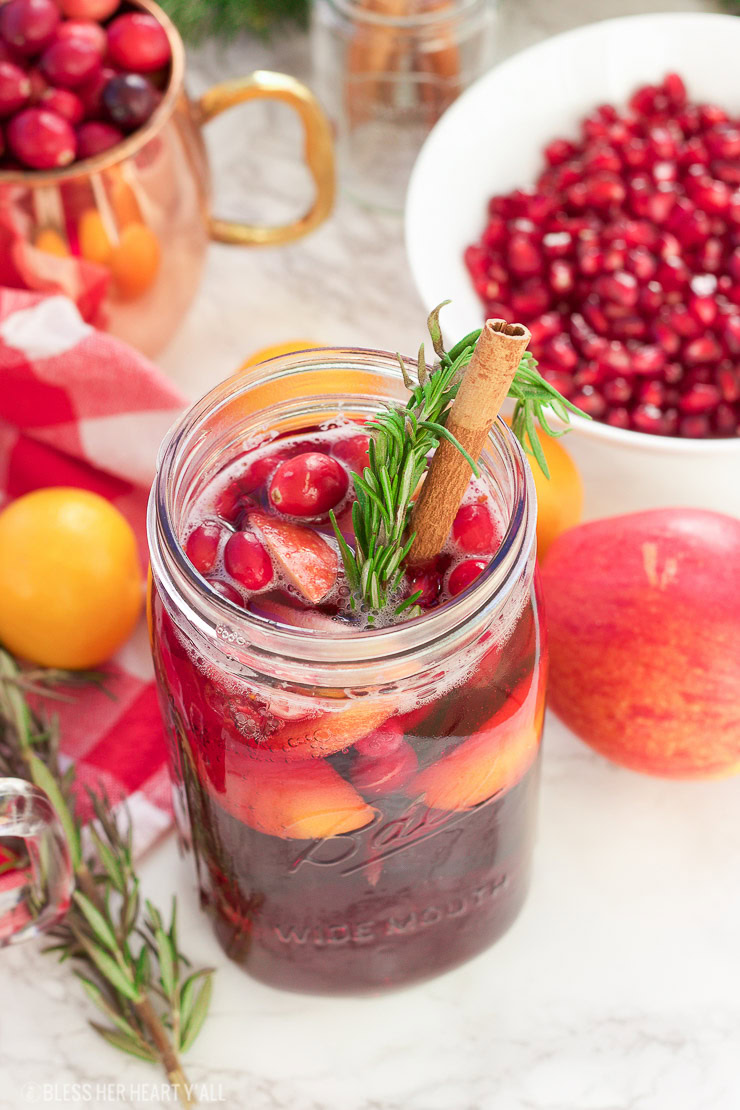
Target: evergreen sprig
(201,19)
(128,961)
(401,440)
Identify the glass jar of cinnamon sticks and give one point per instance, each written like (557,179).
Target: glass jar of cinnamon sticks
(386,70)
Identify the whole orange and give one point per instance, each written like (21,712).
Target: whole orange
(70,581)
(559,497)
(289,347)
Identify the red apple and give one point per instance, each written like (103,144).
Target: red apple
(644,632)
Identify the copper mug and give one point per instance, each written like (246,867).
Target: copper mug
(124,234)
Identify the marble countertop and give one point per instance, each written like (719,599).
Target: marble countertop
(617,989)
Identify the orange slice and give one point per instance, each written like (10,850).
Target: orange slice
(491,760)
(303,801)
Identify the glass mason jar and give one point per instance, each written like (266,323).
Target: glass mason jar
(386,70)
(317,878)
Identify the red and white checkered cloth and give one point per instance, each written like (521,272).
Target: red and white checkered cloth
(79,408)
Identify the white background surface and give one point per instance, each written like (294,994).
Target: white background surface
(619,986)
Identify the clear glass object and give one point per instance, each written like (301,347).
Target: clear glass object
(318,878)
(36,878)
(385,71)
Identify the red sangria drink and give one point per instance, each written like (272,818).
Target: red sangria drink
(357,779)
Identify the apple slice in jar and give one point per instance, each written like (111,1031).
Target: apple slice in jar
(491,760)
(331,731)
(308,801)
(305,558)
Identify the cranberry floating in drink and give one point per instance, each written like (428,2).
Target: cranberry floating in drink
(354,737)
(624,261)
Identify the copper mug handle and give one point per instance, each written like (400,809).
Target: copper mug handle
(319,152)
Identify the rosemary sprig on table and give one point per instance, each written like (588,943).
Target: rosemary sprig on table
(127,959)
(401,440)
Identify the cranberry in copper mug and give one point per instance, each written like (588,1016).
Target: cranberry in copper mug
(104,179)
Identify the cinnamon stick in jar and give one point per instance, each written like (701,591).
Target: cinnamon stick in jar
(482,392)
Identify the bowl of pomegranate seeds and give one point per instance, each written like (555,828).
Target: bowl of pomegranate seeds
(589,187)
(104,181)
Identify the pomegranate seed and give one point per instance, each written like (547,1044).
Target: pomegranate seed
(682,322)
(675,90)
(202,546)
(648,360)
(602,158)
(694,427)
(464,575)
(557,244)
(732,333)
(604,190)
(618,418)
(711,114)
(308,485)
(247,561)
(562,277)
(591,401)
(473,530)
(725,421)
(641,263)
(617,391)
(559,151)
(616,359)
(561,380)
(650,419)
(620,287)
(728,381)
(561,351)
(545,326)
(523,257)
(703,308)
(651,298)
(704,349)
(700,398)
(711,195)
(668,339)
(531,299)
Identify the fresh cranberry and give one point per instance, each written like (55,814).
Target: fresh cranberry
(430,584)
(65,103)
(464,574)
(90,92)
(69,62)
(85,30)
(353,452)
(374,776)
(138,42)
(202,546)
(129,100)
(29,25)
(308,485)
(15,88)
(247,561)
(95,137)
(99,10)
(225,590)
(473,529)
(41,139)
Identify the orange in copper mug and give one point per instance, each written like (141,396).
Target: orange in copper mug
(124,234)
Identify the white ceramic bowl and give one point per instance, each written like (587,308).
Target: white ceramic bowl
(490,141)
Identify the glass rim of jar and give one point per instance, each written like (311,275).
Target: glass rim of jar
(455,623)
(355,13)
(131,143)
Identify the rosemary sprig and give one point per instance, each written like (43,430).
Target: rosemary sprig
(401,440)
(128,961)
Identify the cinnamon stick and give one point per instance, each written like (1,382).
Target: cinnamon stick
(482,392)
